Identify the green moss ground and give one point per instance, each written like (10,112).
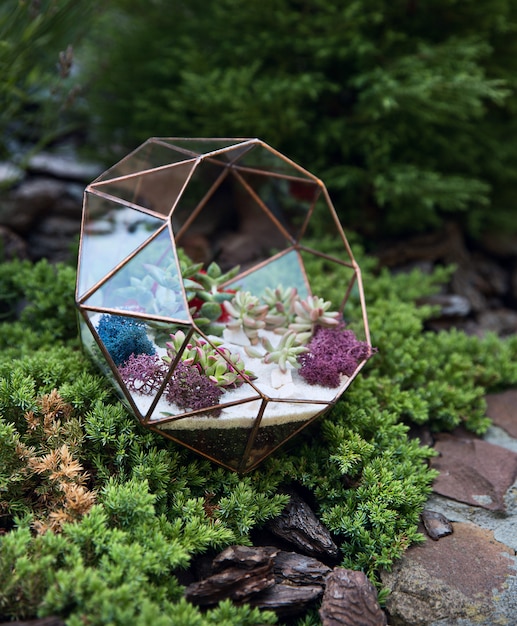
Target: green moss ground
(126,511)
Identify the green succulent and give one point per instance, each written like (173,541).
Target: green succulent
(211,359)
(287,350)
(247,313)
(312,312)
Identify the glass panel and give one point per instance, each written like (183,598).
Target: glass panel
(149,284)
(90,343)
(274,431)
(203,209)
(111,232)
(263,158)
(206,375)
(284,271)
(153,153)
(203,146)
(224,445)
(289,200)
(156,190)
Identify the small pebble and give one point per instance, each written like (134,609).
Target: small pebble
(436,524)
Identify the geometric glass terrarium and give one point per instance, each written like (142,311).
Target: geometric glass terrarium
(194,299)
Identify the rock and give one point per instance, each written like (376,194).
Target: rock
(299,526)
(451,305)
(502,409)
(350,599)
(44,621)
(467,575)
(28,201)
(65,167)
(12,245)
(473,471)
(10,174)
(501,321)
(436,524)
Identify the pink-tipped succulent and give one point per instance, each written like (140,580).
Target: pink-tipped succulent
(247,314)
(313,312)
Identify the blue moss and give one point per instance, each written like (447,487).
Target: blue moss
(124,336)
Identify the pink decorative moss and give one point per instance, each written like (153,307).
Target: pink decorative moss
(333,352)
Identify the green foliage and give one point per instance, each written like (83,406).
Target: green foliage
(35,63)
(395,106)
(102,516)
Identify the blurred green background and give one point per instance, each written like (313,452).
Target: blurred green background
(405,109)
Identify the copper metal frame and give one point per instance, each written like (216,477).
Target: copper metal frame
(226,154)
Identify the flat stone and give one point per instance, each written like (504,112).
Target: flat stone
(473,471)
(67,167)
(502,410)
(467,575)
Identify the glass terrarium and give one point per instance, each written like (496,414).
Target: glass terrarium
(194,295)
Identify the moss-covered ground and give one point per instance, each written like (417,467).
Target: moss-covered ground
(99,517)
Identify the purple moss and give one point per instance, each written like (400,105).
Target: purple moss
(143,373)
(332,353)
(189,389)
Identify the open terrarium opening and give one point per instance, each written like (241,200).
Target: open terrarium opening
(194,298)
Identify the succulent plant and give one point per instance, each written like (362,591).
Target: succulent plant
(313,312)
(280,303)
(217,363)
(285,352)
(247,313)
(206,295)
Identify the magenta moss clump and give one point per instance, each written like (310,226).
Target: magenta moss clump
(143,373)
(189,389)
(332,352)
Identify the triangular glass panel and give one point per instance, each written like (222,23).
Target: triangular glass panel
(277,427)
(153,153)
(201,146)
(262,158)
(92,344)
(148,284)
(205,376)
(284,270)
(156,190)
(204,436)
(202,209)
(111,232)
(290,201)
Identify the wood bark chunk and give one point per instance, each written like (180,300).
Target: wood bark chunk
(240,572)
(350,599)
(297,569)
(287,600)
(298,525)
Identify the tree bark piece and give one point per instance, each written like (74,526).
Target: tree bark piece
(239,573)
(286,600)
(298,525)
(292,568)
(350,599)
